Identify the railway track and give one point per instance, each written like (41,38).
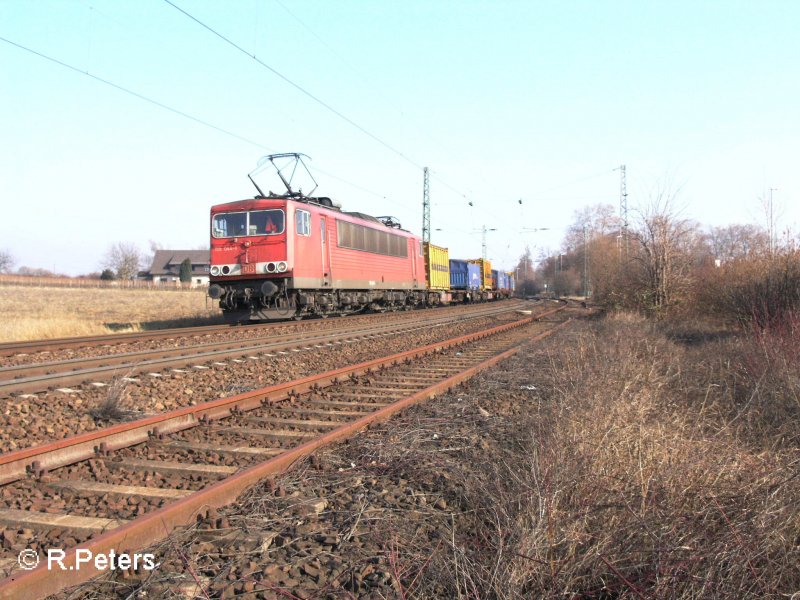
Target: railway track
(125,487)
(36,377)
(9,349)
(55,344)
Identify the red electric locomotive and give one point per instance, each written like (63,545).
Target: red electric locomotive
(291,255)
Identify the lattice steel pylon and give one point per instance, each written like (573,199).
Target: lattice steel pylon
(623,210)
(426,207)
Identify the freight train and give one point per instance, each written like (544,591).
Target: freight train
(290,256)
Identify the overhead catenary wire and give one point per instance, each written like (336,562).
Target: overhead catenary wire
(459,193)
(314,97)
(297,86)
(578,180)
(387,100)
(138,95)
(232,134)
(182,113)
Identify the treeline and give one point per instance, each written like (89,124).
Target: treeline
(90,282)
(123,261)
(665,265)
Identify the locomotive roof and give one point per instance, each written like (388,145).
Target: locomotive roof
(322,202)
(366,217)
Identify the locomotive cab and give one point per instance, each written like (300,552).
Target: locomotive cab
(250,259)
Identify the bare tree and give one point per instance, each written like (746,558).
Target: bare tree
(147,258)
(36,272)
(524,272)
(773,212)
(600,220)
(737,241)
(124,259)
(6,261)
(664,252)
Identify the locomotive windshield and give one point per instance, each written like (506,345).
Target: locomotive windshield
(254,222)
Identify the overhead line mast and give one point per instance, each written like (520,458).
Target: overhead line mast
(623,210)
(483,241)
(426,207)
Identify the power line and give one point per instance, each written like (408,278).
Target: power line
(372,87)
(137,95)
(574,181)
(184,114)
(295,85)
(195,119)
(150,100)
(319,38)
(314,97)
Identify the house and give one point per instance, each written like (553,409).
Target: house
(166,267)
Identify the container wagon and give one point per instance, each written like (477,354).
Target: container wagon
(437,272)
(486,274)
(503,284)
(465,281)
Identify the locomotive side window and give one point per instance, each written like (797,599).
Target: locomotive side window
(255,222)
(303,222)
(367,239)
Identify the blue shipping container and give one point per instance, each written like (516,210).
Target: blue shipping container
(502,280)
(464,275)
(475,277)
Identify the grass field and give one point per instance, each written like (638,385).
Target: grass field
(52,312)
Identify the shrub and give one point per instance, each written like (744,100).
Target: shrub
(761,292)
(186,271)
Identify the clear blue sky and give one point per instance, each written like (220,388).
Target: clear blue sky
(502,100)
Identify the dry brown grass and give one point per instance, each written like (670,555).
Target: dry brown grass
(44,312)
(113,406)
(648,469)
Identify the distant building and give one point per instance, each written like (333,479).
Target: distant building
(166,267)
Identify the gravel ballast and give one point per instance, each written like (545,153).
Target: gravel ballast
(376,517)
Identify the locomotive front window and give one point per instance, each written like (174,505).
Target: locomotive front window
(230,225)
(266,222)
(255,222)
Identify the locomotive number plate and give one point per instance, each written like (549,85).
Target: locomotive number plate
(249,269)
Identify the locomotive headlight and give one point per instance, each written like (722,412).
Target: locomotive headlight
(215,270)
(270,268)
(282,266)
(226,269)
